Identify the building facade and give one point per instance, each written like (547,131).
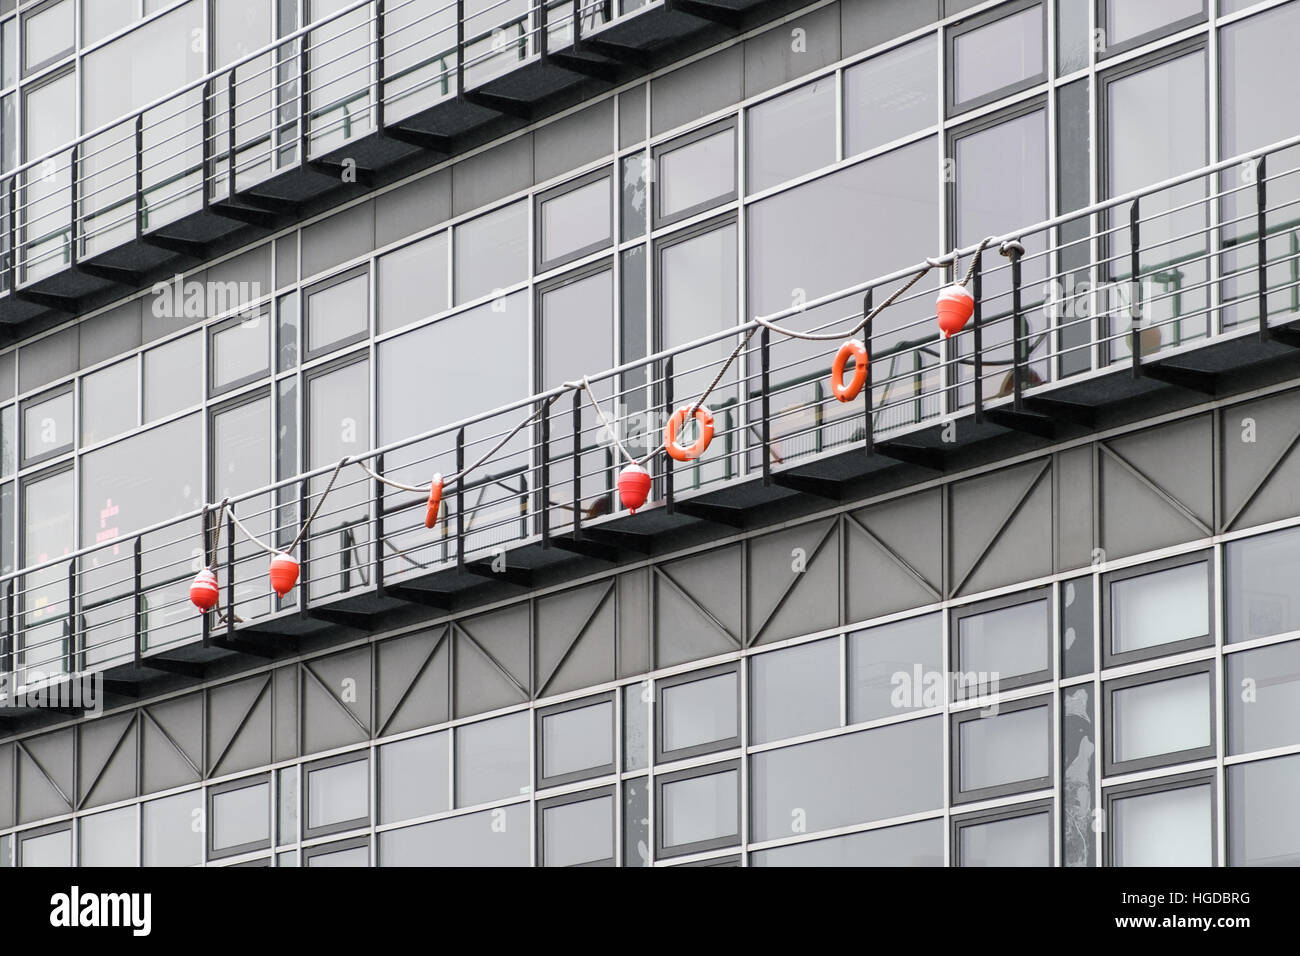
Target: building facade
(1023,601)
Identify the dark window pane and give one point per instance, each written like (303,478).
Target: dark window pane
(337,312)
(492,759)
(997,55)
(795,691)
(634,192)
(413,283)
(1014,841)
(1263,827)
(1165,828)
(491,252)
(1159,608)
(912,844)
(636,727)
(1263,698)
(791,135)
(286,333)
(1079,773)
(1260,581)
(1077,632)
(636,822)
(891,95)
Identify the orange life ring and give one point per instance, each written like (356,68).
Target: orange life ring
(435,502)
(858,352)
(676,451)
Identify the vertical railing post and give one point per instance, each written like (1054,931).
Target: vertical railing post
(205,620)
(230,570)
(868,400)
(378,93)
(379,527)
(460,499)
(543,47)
(977,334)
(11,639)
(1018,358)
(1261,243)
(1135,286)
(304,549)
(13,232)
(74,216)
(544,477)
(460,48)
(668,414)
(137,599)
(764,402)
(139,175)
(577,464)
(71,650)
(231,125)
(303,100)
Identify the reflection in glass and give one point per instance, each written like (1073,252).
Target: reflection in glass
(1078,770)
(1263,698)
(791,135)
(1006,643)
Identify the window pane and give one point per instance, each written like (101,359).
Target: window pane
(1263,698)
(47,426)
(577,220)
(1260,575)
(413,777)
(896,668)
(1127,19)
(173,830)
(241,351)
(697,174)
(913,844)
(109,402)
(1263,827)
(110,839)
(578,330)
(48,33)
(99,18)
(795,691)
(636,822)
(998,55)
(1002,177)
(1164,717)
(50,849)
(241,816)
(891,95)
(701,808)
(699,712)
(579,832)
(1018,841)
(1079,775)
(338,312)
(354,856)
(578,740)
(338,794)
(499,837)
(1160,608)
(636,727)
(1167,828)
(1008,748)
(1009,642)
(634,191)
(698,296)
(492,759)
(287,827)
(836,782)
(413,283)
(173,377)
(791,135)
(1077,633)
(491,252)
(241,440)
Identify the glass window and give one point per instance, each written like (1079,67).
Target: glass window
(110,839)
(575,220)
(1078,776)
(1162,826)
(173,377)
(1023,839)
(1078,639)
(699,713)
(1009,751)
(239,818)
(47,426)
(577,334)
(48,33)
(338,796)
(8,441)
(575,741)
(1263,827)
(498,837)
(1003,647)
(143,66)
(993,58)
(414,777)
(896,668)
(1260,575)
(287,823)
(49,848)
(835,782)
(1263,698)
(695,173)
(345,853)
(1129,20)
(636,726)
(413,283)
(794,691)
(337,313)
(491,252)
(1160,718)
(492,759)
(241,351)
(698,810)
(110,403)
(286,333)
(891,95)
(577,831)
(635,191)
(241,442)
(636,822)
(1001,172)
(1158,611)
(791,134)
(173,830)
(912,844)
(99,18)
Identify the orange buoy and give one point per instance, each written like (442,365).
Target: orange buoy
(633,486)
(204,592)
(852,349)
(955,307)
(284,573)
(705,419)
(435,501)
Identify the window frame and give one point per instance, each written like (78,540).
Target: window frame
(243,783)
(1111,658)
(22,836)
(264,315)
(309,351)
(74,426)
(545,287)
(543,265)
(964,821)
(656,275)
(957,615)
(700,846)
(956,795)
(1112,767)
(661,711)
(309,378)
(307,831)
(951,106)
(1169,29)
(581,796)
(591,773)
(26,71)
(657,219)
(1143,787)
(325,849)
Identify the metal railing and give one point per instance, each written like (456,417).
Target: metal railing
(1228,268)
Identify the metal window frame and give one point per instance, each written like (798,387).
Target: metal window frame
(958,615)
(304,795)
(588,773)
(541,263)
(1132,43)
(1112,767)
(309,378)
(215,411)
(662,685)
(657,218)
(25,70)
(542,289)
(956,795)
(1110,795)
(966,821)
(22,836)
(582,796)
(954,107)
(265,317)
(311,351)
(1112,658)
(58,392)
(663,780)
(325,849)
(382,261)
(655,274)
(230,786)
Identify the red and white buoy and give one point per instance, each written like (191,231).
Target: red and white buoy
(284,573)
(955,308)
(204,592)
(633,486)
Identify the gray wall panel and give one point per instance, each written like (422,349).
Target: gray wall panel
(106,760)
(112,333)
(1260,463)
(338,238)
(698,606)
(337,696)
(498,172)
(1074,508)
(793,50)
(286,712)
(794,578)
(631,116)
(239,725)
(868,23)
(172,743)
(418,205)
(412,681)
(699,89)
(1023,548)
(7,787)
(575,639)
(634,622)
(573,141)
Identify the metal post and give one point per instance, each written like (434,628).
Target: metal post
(1018,357)
(577,464)
(1261,241)
(460,48)
(668,459)
(460,500)
(11,619)
(13,232)
(765,403)
(71,649)
(137,608)
(303,100)
(230,570)
(977,335)
(544,493)
(378,94)
(379,527)
(139,175)
(1135,285)
(304,548)
(74,172)
(230,144)
(868,401)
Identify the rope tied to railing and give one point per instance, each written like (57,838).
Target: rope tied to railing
(306,525)
(210,557)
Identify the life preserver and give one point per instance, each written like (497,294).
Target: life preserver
(435,502)
(858,352)
(676,451)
